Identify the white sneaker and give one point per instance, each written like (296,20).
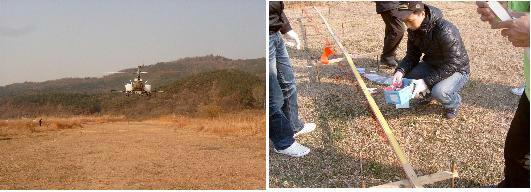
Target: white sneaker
(518,91)
(295,150)
(308,127)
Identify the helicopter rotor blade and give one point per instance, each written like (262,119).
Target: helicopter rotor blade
(114,72)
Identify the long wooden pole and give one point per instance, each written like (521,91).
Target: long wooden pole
(408,169)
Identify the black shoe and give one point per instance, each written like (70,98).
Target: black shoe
(391,64)
(424,100)
(389,61)
(451,113)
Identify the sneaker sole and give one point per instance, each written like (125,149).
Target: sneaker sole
(298,155)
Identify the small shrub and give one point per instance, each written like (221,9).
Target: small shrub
(210,110)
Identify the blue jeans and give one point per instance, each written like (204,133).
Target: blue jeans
(446,91)
(283,108)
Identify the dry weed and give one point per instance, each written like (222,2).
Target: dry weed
(246,123)
(27,126)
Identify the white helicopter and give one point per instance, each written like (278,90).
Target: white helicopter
(137,85)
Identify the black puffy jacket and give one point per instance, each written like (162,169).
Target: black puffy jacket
(277,19)
(442,46)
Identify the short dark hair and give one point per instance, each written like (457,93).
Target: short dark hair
(418,11)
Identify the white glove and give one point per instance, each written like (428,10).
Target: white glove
(397,78)
(420,87)
(292,35)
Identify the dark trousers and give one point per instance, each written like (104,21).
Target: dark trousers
(516,151)
(394,31)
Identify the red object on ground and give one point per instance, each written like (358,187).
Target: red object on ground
(397,84)
(391,88)
(394,87)
(327,51)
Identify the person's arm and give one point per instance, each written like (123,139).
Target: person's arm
(517,30)
(455,57)
(487,14)
(286,27)
(412,57)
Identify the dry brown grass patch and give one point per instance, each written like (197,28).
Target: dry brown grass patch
(27,126)
(245,123)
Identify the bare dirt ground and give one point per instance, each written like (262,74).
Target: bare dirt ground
(346,147)
(165,153)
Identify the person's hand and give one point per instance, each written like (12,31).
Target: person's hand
(420,87)
(292,35)
(485,12)
(516,30)
(397,78)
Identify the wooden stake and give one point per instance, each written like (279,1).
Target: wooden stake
(343,29)
(422,180)
(454,171)
(304,50)
(377,63)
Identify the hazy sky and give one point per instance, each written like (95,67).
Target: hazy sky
(50,39)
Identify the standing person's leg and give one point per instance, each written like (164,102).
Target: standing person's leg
(447,91)
(280,129)
(516,151)
(286,80)
(394,32)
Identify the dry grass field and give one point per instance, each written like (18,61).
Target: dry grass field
(170,152)
(346,146)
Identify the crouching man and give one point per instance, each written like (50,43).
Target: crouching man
(444,69)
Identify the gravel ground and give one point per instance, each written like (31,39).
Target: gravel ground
(347,148)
